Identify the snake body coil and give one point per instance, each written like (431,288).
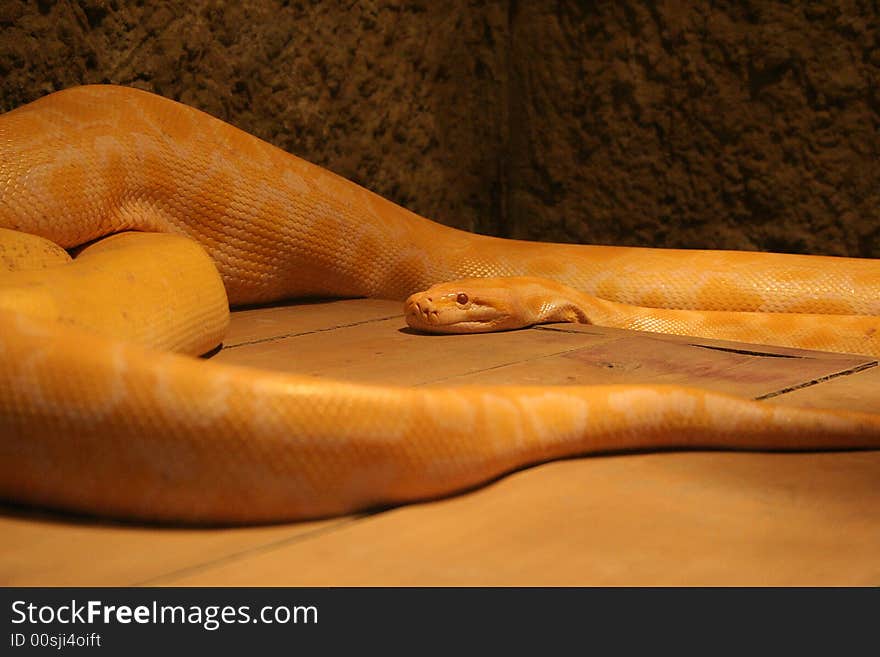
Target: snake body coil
(97,414)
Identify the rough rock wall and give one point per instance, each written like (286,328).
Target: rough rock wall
(753,125)
(383,93)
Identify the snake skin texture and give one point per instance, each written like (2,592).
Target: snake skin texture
(103,409)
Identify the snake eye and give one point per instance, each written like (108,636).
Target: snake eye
(462,298)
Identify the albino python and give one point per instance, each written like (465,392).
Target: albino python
(99,415)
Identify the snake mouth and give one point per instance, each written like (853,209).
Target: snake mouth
(418,315)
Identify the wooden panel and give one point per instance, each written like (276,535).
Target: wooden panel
(254,325)
(755,349)
(661,519)
(58,550)
(859,391)
(628,357)
(384,351)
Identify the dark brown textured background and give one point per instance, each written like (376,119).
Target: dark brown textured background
(749,125)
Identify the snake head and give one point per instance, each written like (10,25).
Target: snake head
(473,305)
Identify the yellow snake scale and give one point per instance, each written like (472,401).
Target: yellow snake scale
(119,425)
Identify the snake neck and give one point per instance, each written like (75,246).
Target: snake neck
(563,311)
(538,300)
